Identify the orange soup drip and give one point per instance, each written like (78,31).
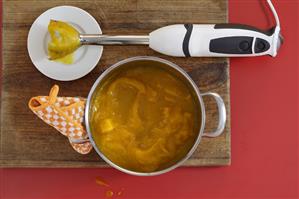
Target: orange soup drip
(102,182)
(144,118)
(109,194)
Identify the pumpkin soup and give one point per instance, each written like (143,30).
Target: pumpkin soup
(144,118)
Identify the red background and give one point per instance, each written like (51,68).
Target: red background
(264,106)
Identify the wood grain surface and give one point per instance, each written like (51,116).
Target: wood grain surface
(26,141)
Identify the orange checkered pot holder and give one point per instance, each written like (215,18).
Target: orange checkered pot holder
(65,114)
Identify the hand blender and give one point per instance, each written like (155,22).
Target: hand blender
(200,40)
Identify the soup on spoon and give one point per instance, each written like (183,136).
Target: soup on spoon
(64,42)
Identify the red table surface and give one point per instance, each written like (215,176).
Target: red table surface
(264,107)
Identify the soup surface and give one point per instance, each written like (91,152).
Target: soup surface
(144,118)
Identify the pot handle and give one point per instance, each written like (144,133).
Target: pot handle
(222,115)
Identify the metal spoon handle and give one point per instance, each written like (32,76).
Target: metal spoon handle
(97,39)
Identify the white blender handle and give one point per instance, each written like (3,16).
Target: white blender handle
(214,40)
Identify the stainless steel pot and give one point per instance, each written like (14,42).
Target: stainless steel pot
(201,133)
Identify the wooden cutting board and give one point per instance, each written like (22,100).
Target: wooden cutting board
(26,141)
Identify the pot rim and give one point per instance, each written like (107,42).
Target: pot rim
(170,64)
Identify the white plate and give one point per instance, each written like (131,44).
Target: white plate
(85,58)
